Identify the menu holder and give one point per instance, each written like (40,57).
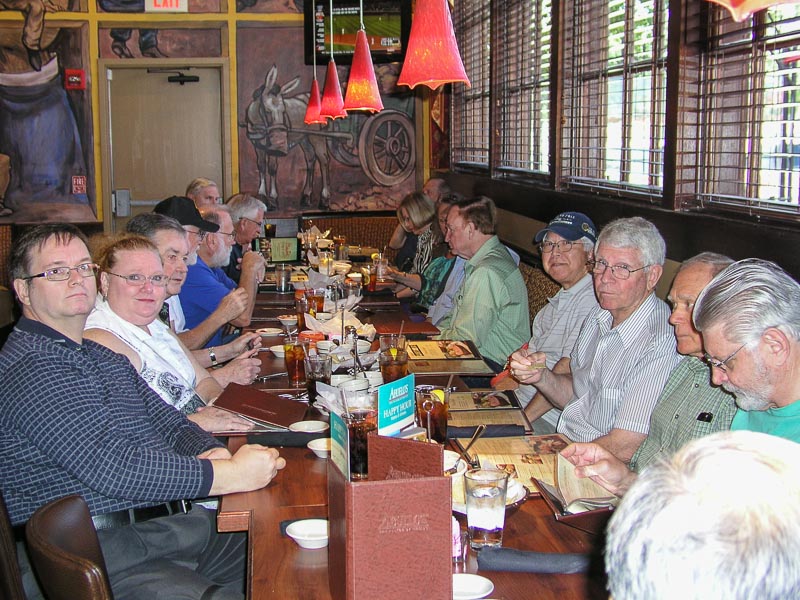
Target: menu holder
(395,526)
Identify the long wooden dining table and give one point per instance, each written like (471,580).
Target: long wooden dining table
(279,568)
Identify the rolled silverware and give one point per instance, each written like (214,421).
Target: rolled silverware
(262,378)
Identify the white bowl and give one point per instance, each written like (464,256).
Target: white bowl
(339,379)
(321,447)
(357,384)
(309,533)
(325,347)
(287,320)
(269,331)
(323,316)
(308,426)
(277,350)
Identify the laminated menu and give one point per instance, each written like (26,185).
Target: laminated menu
(446,356)
(266,410)
(489,407)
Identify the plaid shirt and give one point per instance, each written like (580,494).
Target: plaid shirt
(689,407)
(77,418)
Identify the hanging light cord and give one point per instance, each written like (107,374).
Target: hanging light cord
(331,29)
(361,14)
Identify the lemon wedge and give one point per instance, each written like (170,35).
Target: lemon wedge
(375,255)
(393,352)
(439,395)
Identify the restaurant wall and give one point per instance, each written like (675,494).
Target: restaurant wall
(52,170)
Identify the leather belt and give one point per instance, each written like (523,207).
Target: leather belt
(121,518)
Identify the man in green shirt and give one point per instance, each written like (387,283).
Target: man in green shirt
(491,307)
(689,406)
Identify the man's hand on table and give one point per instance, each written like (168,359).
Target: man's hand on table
(242,370)
(217,420)
(598,464)
(232,305)
(251,468)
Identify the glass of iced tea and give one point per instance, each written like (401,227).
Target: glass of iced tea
(431,411)
(316,300)
(301,307)
(318,368)
(361,418)
(394,364)
(294,356)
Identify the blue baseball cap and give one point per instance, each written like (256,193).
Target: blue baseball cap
(570,226)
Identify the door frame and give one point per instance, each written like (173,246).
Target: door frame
(106,67)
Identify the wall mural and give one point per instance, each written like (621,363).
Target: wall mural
(46,168)
(362,162)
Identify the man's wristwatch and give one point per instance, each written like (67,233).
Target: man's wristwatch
(213,357)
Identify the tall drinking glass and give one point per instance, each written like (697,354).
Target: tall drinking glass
(318,368)
(486,506)
(294,354)
(361,418)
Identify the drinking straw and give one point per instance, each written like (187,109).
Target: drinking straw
(402,323)
(450,381)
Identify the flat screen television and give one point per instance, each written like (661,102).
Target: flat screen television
(387,23)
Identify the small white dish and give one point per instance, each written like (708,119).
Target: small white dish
(287,320)
(277,350)
(325,347)
(309,533)
(269,331)
(308,426)
(467,586)
(323,316)
(321,447)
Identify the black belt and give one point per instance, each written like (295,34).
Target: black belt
(121,518)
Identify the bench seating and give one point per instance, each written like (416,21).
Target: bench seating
(364,229)
(539,285)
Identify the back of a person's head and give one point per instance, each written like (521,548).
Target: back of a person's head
(244,205)
(638,233)
(198,184)
(719,520)
(748,297)
(480,211)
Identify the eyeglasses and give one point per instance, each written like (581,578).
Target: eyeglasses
(621,272)
(139,280)
(561,246)
(201,235)
(260,224)
(721,364)
(63,273)
(231,234)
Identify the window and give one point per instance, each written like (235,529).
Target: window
(614,81)
(749,141)
(469,136)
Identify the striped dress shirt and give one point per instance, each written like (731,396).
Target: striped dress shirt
(618,373)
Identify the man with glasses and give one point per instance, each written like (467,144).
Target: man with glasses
(749,316)
(690,406)
(76,418)
(491,307)
(207,285)
(566,246)
(625,351)
(247,215)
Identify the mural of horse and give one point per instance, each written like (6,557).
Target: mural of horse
(274,125)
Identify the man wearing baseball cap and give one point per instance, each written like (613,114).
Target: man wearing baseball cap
(184,211)
(566,245)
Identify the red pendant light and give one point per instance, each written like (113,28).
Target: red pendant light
(432,56)
(742,9)
(332,106)
(312,112)
(362,87)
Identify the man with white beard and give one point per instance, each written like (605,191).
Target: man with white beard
(749,316)
(206,284)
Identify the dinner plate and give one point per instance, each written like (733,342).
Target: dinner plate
(467,586)
(516,493)
(308,426)
(269,331)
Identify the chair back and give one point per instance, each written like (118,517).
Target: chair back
(10,578)
(65,552)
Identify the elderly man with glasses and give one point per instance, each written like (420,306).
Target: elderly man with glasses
(207,285)
(625,351)
(247,215)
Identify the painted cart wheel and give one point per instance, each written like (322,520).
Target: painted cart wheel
(386,147)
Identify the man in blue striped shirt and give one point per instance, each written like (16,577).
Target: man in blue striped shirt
(625,351)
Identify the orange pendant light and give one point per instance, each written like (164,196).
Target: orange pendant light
(432,56)
(312,112)
(332,106)
(362,87)
(742,9)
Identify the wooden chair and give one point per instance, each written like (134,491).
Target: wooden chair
(10,578)
(65,552)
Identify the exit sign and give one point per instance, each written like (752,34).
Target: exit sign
(169,6)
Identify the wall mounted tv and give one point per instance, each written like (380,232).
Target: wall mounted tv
(387,23)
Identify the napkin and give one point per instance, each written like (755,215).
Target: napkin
(334,326)
(288,439)
(520,561)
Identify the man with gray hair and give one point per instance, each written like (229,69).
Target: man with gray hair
(719,520)
(247,215)
(625,351)
(749,316)
(207,285)
(203,192)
